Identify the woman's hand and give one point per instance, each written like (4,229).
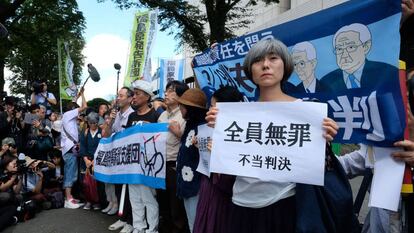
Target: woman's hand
(212,116)
(407,155)
(209,144)
(194,141)
(330,127)
(175,128)
(407,9)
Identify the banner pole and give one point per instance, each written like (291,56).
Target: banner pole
(60,76)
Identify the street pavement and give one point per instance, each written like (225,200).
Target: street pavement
(65,221)
(87,221)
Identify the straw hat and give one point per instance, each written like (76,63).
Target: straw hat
(29,160)
(193,97)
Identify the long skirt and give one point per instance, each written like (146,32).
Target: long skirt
(276,218)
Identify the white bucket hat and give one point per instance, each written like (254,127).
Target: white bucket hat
(143,86)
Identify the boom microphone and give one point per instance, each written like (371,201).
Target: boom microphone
(117,66)
(93,73)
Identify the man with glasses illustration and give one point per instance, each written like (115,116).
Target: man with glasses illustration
(305,61)
(351,44)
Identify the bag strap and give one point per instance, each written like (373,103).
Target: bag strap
(69,136)
(366,182)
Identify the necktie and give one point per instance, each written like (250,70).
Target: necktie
(353,82)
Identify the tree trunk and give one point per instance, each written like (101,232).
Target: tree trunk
(2,81)
(216,14)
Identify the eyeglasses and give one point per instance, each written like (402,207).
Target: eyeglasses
(92,123)
(12,145)
(300,64)
(349,49)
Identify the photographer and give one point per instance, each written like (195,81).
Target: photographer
(10,186)
(15,123)
(8,145)
(33,182)
(10,182)
(41,96)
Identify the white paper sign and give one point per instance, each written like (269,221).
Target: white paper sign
(387,180)
(271,141)
(204,134)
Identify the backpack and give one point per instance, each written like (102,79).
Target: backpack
(57,199)
(328,208)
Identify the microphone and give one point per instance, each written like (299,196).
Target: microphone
(117,66)
(3,31)
(93,73)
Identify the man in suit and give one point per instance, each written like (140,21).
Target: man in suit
(304,59)
(352,44)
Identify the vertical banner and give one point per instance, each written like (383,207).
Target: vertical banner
(143,34)
(67,88)
(346,56)
(170,69)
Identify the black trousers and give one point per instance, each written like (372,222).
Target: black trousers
(173,217)
(6,216)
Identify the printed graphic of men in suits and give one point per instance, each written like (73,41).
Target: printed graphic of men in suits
(352,44)
(305,61)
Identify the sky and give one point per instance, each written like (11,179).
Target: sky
(108,36)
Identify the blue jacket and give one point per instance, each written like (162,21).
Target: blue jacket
(373,74)
(88,144)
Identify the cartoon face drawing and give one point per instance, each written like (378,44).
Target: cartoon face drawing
(350,51)
(304,67)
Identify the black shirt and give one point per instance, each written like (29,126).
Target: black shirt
(149,117)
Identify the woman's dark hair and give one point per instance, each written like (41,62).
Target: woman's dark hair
(194,115)
(6,159)
(228,94)
(178,86)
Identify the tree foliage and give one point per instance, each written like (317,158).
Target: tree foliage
(30,51)
(94,103)
(222,16)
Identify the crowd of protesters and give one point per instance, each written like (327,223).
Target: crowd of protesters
(47,159)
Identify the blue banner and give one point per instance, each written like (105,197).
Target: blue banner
(346,56)
(170,69)
(136,155)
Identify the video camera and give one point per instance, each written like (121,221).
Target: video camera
(37,87)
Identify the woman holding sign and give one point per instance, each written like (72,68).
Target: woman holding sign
(263,206)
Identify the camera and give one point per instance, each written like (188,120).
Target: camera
(37,87)
(22,167)
(4,177)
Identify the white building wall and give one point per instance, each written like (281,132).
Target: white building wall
(271,15)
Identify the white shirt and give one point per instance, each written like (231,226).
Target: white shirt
(355,162)
(173,142)
(70,126)
(40,99)
(254,193)
(312,86)
(121,119)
